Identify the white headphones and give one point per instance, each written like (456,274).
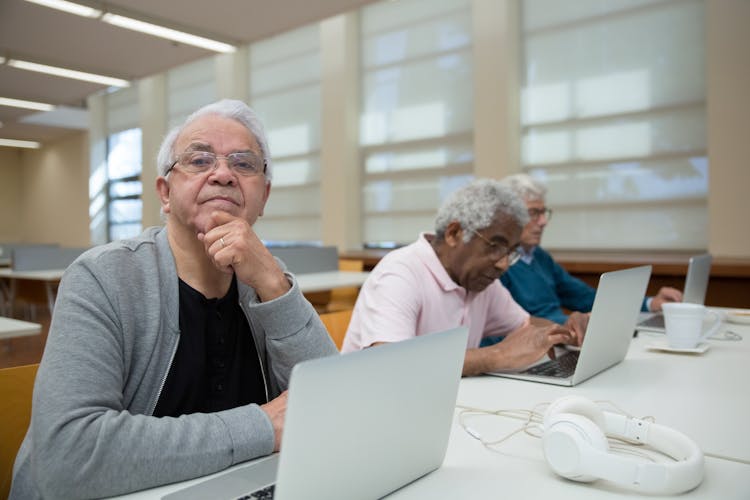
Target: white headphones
(576,447)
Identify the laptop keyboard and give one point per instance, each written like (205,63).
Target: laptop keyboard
(562,367)
(656,321)
(265,494)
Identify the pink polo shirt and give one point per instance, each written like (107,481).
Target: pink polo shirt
(410,293)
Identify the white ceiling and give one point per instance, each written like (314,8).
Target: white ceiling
(43,35)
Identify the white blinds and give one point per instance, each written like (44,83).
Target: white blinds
(417,113)
(190,87)
(614,121)
(285,92)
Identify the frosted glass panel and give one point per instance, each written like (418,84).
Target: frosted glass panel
(418,100)
(291,72)
(615,65)
(122,110)
(418,159)
(630,227)
(285,92)
(296,172)
(399,229)
(298,228)
(190,87)
(546,13)
(679,131)
(292,201)
(652,180)
(383,16)
(416,122)
(288,45)
(614,121)
(291,120)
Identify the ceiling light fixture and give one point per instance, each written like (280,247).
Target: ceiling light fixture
(14,143)
(168,33)
(73,8)
(131,23)
(68,73)
(19,103)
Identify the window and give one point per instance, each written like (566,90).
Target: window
(614,121)
(285,92)
(116,207)
(124,188)
(417,114)
(189,87)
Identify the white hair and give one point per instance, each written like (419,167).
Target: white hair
(525,186)
(476,205)
(227,108)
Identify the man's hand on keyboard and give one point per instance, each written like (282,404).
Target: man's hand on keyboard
(576,324)
(528,344)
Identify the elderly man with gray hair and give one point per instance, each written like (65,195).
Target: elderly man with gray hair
(450,278)
(538,283)
(169,354)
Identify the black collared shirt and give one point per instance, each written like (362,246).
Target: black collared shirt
(216,366)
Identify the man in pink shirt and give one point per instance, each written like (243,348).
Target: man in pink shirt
(450,279)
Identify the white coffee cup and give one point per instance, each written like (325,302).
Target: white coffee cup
(684,324)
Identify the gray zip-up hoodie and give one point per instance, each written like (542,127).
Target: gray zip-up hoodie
(113,335)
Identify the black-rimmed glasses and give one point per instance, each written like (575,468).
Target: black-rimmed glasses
(498,251)
(199,162)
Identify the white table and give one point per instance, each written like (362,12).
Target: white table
(10,328)
(328,280)
(704,396)
(8,285)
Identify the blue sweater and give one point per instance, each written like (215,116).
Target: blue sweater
(544,288)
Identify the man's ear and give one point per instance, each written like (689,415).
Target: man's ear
(454,234)
(162,190)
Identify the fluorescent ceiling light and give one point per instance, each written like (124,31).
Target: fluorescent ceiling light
(168,33)
(68,73)
(19,103)
(73,8)
(13,143)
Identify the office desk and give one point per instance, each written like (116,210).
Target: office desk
(9,284)
(703,396)
(328,280)
(10,328)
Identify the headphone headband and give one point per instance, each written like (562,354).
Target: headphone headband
(576,447)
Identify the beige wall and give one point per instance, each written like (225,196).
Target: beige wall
(728,97)
(11,226)
(54,187)
(51,185)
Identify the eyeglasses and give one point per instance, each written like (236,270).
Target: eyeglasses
(535,213)
(199,162)
(497,251)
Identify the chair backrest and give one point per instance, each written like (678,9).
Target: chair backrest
(308,259)
(16,387)
(336,323)
(44,257)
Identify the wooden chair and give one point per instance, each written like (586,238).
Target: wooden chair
(16,386)
(344,298)
(336,323)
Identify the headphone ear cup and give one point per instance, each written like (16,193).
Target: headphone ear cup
(570,442)
(577,405)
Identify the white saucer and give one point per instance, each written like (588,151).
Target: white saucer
(739,316)
(661,345)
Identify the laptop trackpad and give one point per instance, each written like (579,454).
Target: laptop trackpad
(232,484)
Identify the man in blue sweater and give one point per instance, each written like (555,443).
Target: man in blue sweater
(541,285)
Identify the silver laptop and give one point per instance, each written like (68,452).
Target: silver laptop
(359,425)
(696,284)
(610,329)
